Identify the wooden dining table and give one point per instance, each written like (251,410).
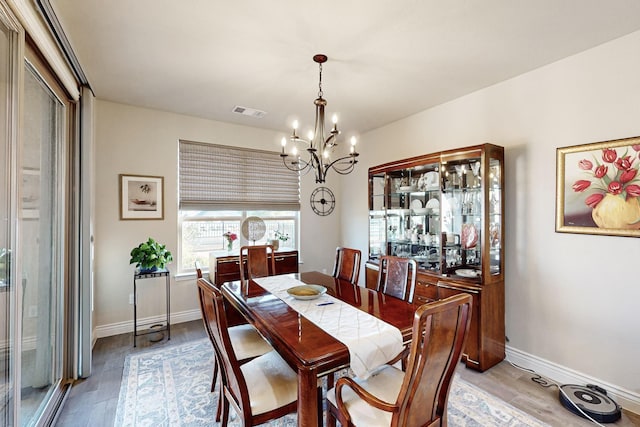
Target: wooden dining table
(306,347)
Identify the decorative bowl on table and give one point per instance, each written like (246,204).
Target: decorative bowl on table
(304,292)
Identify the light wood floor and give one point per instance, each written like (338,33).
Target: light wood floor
(93,401)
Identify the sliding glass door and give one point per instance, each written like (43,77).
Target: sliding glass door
(10,65)
(43,172)
(38,232)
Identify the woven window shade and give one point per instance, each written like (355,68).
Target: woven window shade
(218,177)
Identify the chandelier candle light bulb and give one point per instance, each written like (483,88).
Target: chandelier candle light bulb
(318,148)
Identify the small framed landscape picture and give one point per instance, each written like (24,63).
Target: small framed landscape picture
(141,197)
(598,188)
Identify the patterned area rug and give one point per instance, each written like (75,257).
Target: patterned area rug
(170,387)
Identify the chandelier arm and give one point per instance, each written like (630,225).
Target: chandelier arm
(314,161)
(290,166)
(347,170)
(331,138)
(348,167)
(298,139)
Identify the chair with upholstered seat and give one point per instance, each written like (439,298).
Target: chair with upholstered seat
(347,264)
(257,261)
(417,397)
(397,277)
(247,343)
(260,390)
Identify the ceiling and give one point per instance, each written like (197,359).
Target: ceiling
(388,59)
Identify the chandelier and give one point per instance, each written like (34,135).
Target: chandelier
(320,150)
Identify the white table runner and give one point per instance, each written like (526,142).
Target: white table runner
(371,341)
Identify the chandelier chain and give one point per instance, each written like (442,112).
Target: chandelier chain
(320,82)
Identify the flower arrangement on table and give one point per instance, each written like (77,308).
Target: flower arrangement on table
(612,188)
(281,236)
(230,237)
(278,237)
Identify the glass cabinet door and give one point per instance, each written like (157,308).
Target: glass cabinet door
(398,213)
(495,210)
(377,216)
(462,216)
(414,215)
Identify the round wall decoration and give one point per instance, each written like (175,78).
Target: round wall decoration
(322,201)
(253,228)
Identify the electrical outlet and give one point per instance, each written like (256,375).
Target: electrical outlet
(130,299)
(33,311)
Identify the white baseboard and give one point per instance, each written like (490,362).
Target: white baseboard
(563,375)
(126,327)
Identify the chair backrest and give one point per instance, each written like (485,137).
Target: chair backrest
(215,320)
(198,269)
(439,334)
(347,265)
(397,277)
(259,260)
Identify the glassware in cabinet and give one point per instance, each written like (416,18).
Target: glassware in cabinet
(444,210)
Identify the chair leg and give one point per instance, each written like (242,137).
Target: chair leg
(320,406)
(215,376)
(331,420)
(331,382)
(220,398)
(331,378)
(225,410)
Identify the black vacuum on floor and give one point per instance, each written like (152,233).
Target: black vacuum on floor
(593,401)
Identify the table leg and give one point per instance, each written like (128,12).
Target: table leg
(168,296)
(135,313)
(308,398)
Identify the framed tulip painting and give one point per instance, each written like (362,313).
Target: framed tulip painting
(598,188)
(141,197)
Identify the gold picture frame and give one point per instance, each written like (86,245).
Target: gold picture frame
(141,197)
(598,188)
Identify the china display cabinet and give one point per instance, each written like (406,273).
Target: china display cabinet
(446,211)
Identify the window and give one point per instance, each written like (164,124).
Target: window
(202,232)
(220,187)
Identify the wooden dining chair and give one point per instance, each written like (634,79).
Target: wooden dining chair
(347,264)
(246,341)
(397,277)
(346,267)
(255,261)
(417,396)
(262,389)
(198,269)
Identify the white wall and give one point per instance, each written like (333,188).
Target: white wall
(572,300)
(135,140)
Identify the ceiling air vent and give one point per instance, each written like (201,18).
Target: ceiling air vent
(251,112)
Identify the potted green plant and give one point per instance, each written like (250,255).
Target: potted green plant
(150,256)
